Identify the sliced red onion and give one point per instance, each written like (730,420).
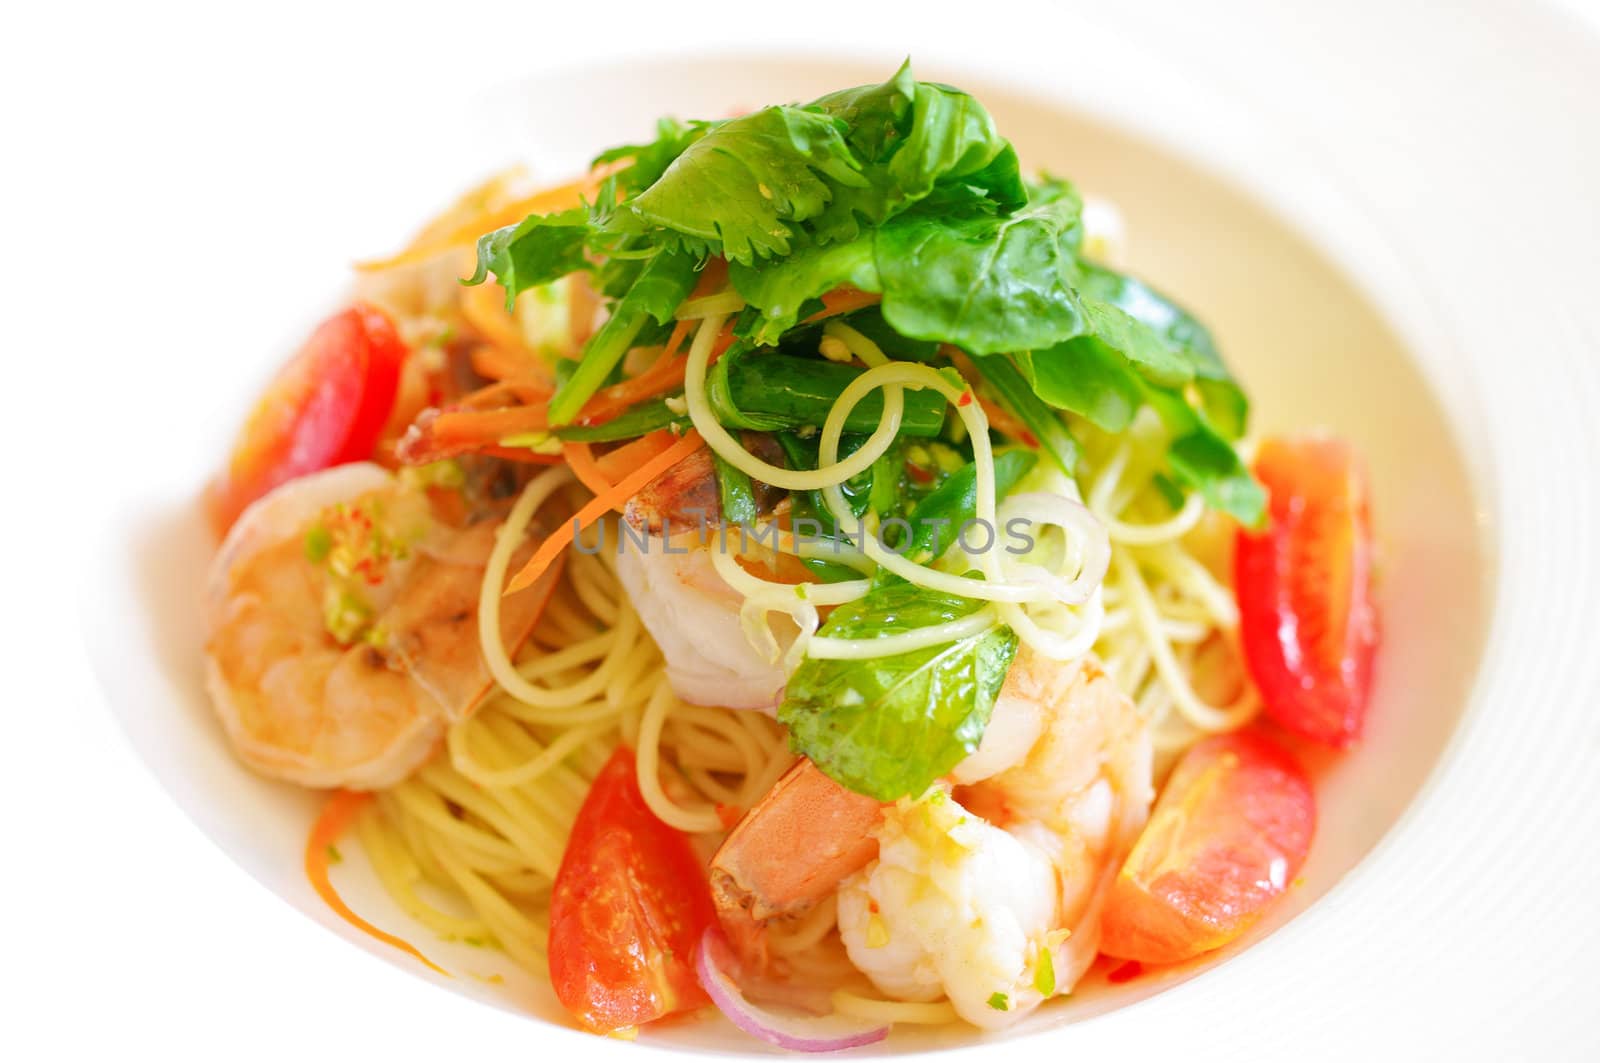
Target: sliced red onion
(827,1033)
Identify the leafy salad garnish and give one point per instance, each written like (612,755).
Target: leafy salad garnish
(889,726)
(904,191)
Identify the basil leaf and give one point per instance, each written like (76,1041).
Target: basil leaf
(1224,401)
(1202,459)
(1085,377)
(986,283)
(889,726)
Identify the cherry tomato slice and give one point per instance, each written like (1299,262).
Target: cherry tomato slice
(629,906)
(326,407)
(1304,586)
(1227,837)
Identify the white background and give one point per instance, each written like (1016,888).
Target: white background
(143,143)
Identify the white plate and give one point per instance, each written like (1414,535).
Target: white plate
(1415,300)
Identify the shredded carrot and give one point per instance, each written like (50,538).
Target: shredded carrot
(488,426)
(615,465)
(598,475)
(680,332)
(506,392)
(665,376)
(843,301)
(331,823)
(713,278)
(438,434)
(580,459)
(1003,421)
(618,494)
(487,219)
(484,307)
(500,363)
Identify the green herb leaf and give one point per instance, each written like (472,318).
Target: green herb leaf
(1085,377)
(1045,423)
(663,283)
(937,520)
(770,391)
(741,186)
(780,288)
(1224,401)
(649,161)
(735,493)
(631,423)
(988,283)
(540,249)
(1202,459)
(999,1001)
(889,726)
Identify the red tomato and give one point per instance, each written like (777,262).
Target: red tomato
(629,906)
(1225,840)
(325,408)
(1304,584)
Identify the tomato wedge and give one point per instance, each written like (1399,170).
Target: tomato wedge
(1227,837)
(327,406)
(629,906)
(1304,586)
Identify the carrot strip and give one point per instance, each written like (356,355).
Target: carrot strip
(500,363)
(561,197)
(680,332)
(713,278)
(1003,421)
(619,493)
(506,392)
(843,301)
(487,426)
(664,376)
(331,823)
(580,459)
(484,307)
(615,465)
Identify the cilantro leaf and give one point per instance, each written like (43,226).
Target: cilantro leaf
(781,287)
(890,726)
(647,162)
(540,249)
(742,185)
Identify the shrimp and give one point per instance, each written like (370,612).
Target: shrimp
(754,875)
(342,631)
(689,610)
(988,889)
